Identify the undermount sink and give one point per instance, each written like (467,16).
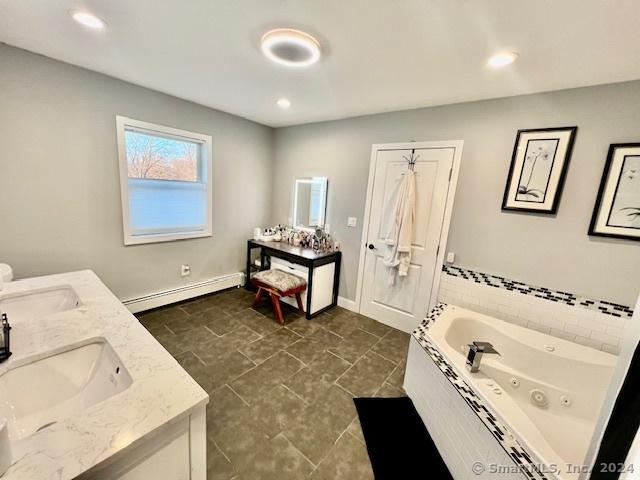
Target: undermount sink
(35,304)
(38,394)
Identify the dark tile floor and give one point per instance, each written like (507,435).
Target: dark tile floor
(281,397)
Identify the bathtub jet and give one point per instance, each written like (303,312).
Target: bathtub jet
(541,394)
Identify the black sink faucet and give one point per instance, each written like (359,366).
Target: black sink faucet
(5,350)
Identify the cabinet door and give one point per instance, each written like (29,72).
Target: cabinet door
(322,287)
(171,462)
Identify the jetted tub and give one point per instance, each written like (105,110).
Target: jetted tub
(548,391)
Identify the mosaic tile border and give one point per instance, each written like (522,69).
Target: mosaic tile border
(601,306)
(501,433)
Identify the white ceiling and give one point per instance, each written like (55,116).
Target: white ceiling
(379,55)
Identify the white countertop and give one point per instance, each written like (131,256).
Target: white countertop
(161,391)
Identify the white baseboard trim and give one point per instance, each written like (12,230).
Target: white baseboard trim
(348,304)
(174,295)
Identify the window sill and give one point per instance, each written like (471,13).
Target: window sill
(164,237)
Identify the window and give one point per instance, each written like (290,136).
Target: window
(165,182)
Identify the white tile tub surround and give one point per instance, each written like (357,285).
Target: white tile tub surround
(575,323)
(464,442)
(478,430)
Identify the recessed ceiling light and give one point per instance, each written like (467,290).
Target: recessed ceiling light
(292,48)
(283,103)
(502,59)
(88,20)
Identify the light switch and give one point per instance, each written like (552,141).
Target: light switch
(352,222)
(451,257)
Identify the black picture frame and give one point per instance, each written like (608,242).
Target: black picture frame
(559,186)
(604,185)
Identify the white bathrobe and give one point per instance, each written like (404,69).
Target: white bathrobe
(400,232)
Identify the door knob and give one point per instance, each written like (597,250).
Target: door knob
(371,246)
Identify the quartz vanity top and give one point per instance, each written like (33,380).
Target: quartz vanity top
(161,392)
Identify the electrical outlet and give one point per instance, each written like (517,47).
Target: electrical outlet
(327,228)
(185,270)
(352,221)
(451,257)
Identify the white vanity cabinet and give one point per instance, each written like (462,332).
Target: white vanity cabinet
(176,452)
(99,400)
(321,283)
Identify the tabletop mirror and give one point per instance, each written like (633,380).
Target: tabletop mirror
(309,202)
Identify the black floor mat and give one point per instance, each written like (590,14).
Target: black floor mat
(398,443)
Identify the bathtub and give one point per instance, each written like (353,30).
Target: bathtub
(547,391)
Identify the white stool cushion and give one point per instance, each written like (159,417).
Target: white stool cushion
(279,279)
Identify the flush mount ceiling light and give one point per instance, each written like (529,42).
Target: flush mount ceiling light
(502,59)
(292,48)
(283,103)
(88,20)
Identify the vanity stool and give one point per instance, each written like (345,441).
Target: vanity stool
(278,283)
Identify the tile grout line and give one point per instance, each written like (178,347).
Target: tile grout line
(284,351)
(238,395)
(298,396)
(357,438)
(395,364)
(330,448)
(337,356)
(330,358)
(360,358)
(164,326)
(199,359)
(248,358)
(334,333)
(212,332)
(352,364)
(388,376)
(391,374)
(300,452)
(220,450)
(306,365)
(353,395)
(342,375)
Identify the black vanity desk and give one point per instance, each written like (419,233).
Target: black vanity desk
(307,258)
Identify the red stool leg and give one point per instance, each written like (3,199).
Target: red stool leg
(275,299)
(256,301)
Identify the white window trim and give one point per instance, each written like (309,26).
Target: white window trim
(123,123)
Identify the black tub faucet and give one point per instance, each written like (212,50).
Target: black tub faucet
(5,349)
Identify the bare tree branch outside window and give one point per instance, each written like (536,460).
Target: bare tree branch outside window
(160,158)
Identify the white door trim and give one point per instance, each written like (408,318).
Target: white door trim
(444,234)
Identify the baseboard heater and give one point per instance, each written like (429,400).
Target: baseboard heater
(178,294)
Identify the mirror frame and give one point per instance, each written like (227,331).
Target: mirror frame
(323,212)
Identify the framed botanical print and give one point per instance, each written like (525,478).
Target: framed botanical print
(538,168)
(617,210)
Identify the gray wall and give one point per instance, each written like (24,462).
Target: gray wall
(60,194)
(59,186)
(551,251)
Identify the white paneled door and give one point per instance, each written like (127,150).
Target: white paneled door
(403,303)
